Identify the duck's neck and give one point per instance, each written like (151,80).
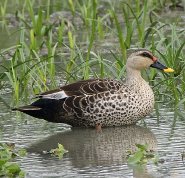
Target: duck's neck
(134,77)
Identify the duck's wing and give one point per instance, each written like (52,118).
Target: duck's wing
(82,88)
(68,103)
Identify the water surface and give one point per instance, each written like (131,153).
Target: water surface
(92,153)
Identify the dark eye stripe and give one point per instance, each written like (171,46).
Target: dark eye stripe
(145,54)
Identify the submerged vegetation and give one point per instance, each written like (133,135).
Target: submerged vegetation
(66,41)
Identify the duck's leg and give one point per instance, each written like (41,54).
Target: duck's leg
(98,127)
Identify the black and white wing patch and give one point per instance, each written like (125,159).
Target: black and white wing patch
(57,95)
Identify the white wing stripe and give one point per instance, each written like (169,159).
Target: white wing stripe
(58,95)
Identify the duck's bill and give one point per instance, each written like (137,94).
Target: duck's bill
(162,67)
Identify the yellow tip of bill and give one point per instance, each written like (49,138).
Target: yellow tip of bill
(168,70)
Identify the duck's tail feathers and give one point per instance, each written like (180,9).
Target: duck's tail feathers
(42,108)
(26,108)
(31,110)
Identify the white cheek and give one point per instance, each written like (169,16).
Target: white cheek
(138,64)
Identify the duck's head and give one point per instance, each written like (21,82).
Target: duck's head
(142,59)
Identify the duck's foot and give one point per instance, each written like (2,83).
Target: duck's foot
(98,127)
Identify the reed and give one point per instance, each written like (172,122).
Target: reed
(32,67)
(3,9)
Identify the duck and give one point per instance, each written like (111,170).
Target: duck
(101,102)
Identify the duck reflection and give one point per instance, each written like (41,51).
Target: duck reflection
(91,147)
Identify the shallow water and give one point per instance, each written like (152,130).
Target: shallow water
(92,153)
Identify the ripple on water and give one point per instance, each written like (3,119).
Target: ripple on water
(93,154)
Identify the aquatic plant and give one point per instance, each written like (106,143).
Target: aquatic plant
(142,156)
(59,151)
(8,167)
(48,49)
(3,8)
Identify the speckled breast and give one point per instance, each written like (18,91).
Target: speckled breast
(123,107)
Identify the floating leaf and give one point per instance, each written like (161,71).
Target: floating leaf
(11,168)
(21,174)
(136,158)
(7,153)
(58,151)
(142,155)
(22,152)
(142,147)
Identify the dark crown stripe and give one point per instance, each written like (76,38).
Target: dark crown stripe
(146,54)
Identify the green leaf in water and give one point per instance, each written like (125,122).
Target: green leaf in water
(58,151)
(142,156)
(142,147)
(136,158)
(7,153)
(11,168)
(21,174)
(22,152)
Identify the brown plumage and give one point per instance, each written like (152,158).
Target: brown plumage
(104,102)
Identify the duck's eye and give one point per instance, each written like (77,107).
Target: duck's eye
(145,54)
